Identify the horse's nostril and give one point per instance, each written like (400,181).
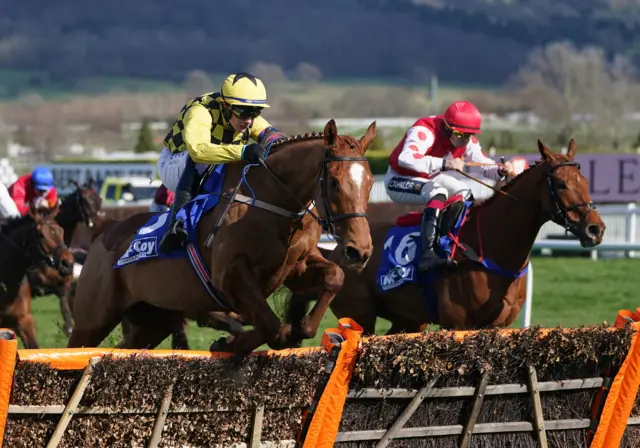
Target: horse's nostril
(352,253)
(593,231)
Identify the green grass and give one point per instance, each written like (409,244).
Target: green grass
(567,292)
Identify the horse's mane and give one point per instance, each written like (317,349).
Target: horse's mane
(283,141)
(509,185)
(11,224)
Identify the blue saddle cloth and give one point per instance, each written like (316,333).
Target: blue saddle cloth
(401,256)
(145,241)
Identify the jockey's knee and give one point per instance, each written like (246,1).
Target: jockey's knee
(437,197)
(467,195)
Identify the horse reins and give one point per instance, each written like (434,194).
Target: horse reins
(559,211)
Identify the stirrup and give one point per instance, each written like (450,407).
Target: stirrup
(436,263)
(175,238)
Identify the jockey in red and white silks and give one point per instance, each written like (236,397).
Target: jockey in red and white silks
(418,165)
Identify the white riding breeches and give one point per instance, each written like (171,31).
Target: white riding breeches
(172,165)
(8,208)
(417,190)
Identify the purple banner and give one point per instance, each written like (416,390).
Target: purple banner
(612,177)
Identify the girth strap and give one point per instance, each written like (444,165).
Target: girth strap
(205,278)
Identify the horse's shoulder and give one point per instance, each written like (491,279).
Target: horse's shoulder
(118,231)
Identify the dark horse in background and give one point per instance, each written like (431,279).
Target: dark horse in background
(79,215)
(32,242)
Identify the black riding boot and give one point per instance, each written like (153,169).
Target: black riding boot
(430,224)
(177,236)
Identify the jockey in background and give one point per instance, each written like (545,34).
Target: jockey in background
(417,166)
(210,129)
(37,187)
(8,208)
(162,199)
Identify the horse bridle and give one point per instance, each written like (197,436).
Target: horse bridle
(328,224)
(42,257)
(558,210)
(84,214)
(54,260)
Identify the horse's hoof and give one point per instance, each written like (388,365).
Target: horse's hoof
(237,359)
(221,345)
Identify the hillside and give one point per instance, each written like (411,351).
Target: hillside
(343,38)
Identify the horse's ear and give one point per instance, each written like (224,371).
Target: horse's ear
(544,151)
(330,133)
(572,149)
(92,183)
(368,137)
(74,183)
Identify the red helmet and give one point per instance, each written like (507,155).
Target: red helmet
(464,117)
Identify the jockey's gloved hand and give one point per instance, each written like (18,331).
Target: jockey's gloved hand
(40,202)
(254,152)
(507,170)
(453,164)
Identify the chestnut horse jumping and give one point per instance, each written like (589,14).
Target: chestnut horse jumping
(255,249)
(501,231)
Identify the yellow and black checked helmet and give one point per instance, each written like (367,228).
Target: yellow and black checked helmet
(244,89)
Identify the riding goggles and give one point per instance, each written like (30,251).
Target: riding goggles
(459,134)
(245,112)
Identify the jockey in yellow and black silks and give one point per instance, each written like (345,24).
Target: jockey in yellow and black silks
(210,129)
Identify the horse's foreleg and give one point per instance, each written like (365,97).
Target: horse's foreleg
(144,337)
(146,326)
(221,320)
(179,340)
(99,301)
(246,297)
(21,318)
(298,306)
(26,329)
(322,274)
(65,310)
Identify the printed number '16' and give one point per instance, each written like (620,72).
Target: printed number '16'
(406,251)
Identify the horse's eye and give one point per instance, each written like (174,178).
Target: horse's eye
(561,185)
(334,184)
